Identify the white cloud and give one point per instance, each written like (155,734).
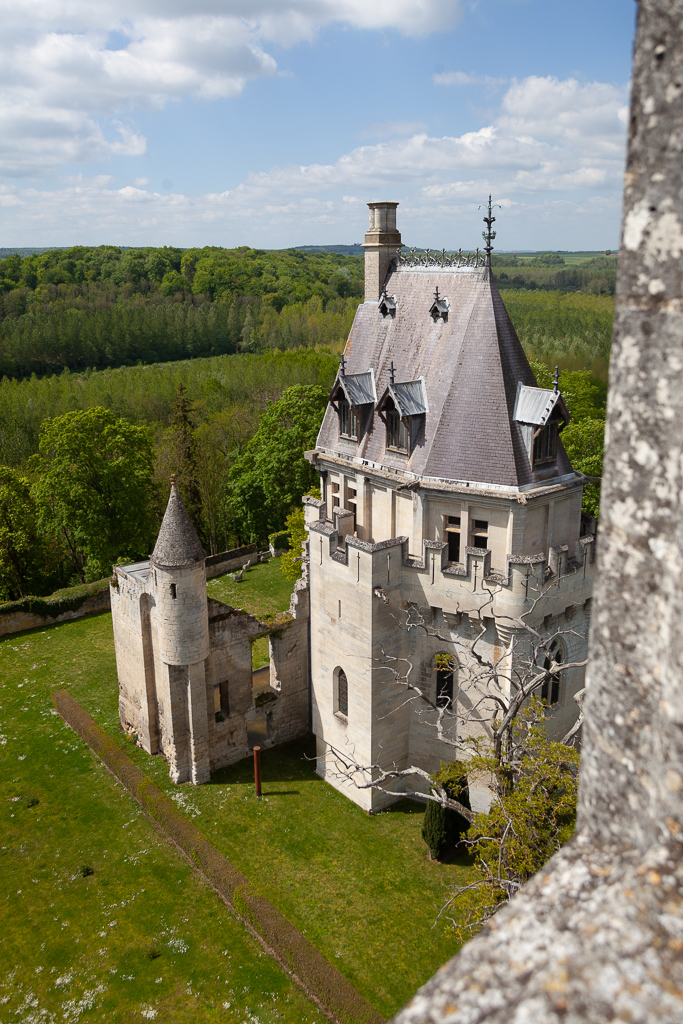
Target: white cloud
(67,64)
(389,129)
(462,78)
(553,157)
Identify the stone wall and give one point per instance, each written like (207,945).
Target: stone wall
(199,713)
(236,558)
(363,596)
(17,621)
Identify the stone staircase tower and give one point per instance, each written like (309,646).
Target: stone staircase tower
(178,564)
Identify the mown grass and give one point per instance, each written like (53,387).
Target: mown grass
(263,591)
(139,938)
(360,888)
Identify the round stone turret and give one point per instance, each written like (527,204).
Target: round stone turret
(180,587)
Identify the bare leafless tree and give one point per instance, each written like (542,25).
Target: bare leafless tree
(491,692)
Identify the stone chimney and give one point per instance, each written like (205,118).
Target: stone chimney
(381,242)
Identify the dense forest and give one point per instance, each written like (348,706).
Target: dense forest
(233,353)
(101,307)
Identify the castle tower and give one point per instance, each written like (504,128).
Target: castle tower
(182,630)
(448,500)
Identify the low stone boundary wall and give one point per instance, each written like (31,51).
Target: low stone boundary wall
(317,977)
(89,599)
(229,561)
(75,603)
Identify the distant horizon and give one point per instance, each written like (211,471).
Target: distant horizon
(30,249)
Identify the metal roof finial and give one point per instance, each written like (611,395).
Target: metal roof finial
(392,375)
(556,380)
(489,234)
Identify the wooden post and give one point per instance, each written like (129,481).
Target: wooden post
(257,771)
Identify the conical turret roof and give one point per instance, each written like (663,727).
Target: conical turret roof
(177,543)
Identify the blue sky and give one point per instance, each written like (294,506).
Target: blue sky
(272,122)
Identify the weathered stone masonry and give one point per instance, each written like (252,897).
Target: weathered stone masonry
(184,661)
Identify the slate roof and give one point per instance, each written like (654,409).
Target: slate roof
(471,366)
(177,544)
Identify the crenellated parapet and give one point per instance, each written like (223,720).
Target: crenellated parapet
(538,584)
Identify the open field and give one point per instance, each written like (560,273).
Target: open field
(139,938)
(360,888)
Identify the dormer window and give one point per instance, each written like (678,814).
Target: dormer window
(397,431)
(353,398)
(439,308)
(387,305)
(541,414)
(348,420)
(402,408)
(545,443)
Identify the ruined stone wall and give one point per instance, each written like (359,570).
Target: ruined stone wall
(18,621)
(288,716)
(175,708)
(130,656)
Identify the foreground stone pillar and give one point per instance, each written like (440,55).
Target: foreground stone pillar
(597,935)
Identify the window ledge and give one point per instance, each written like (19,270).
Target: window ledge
(341,718)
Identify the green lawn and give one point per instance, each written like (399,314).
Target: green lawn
(141,938)
(264,591)
(360,888)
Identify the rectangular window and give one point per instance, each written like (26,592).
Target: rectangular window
(545,444)
(174,592)
(351,499)
(480,533)
(220,702)
(397,432)
(348,421)
(452,528)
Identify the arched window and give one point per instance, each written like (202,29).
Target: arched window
(341,693)
(550,690)
(444,666)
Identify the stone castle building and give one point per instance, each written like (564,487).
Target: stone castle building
(450,523)
(184,661)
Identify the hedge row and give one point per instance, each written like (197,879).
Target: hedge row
(316,975)
(69,599)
